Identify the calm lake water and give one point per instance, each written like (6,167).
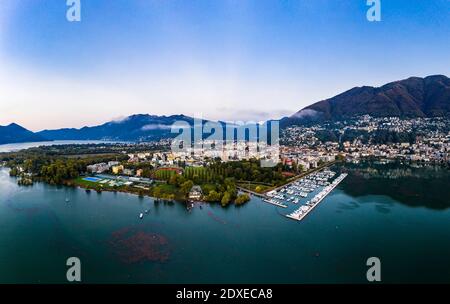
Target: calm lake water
(400,215)
(21,146)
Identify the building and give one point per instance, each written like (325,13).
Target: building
(117,169)
(139,172)
(195,193)
(128,172)
(98,168)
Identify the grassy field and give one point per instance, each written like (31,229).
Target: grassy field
(164,173)
(80,181)
(159,189)
(95,185)
(167,191)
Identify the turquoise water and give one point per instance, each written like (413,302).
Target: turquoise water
(400,215)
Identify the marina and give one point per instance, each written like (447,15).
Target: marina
(317,184)
(301,188)
(304,210)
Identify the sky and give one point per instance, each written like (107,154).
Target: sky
(221,59)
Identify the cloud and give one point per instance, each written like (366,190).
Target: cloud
(245,115)
(306,113)
(120,119)
(151,127)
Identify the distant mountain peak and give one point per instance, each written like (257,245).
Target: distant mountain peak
(14,125)
(411,97)
(14,133)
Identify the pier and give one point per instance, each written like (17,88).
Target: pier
(304,210)
(274,202)
(262,195)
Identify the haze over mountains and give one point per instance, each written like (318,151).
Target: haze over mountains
(136,127)
(412,97)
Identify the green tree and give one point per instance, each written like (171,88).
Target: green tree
(242,199)
(226,198)
(213,196)
(186,187)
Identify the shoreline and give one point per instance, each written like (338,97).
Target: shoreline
(140,195)
(143,194)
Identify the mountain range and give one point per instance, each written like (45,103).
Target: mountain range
(139,127)
(14,133)
(412,97)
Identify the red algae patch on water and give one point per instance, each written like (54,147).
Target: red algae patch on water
(28,210)
(133,246)
(216,218)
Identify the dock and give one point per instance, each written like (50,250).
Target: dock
(262,195)
(303,211)
(273,202)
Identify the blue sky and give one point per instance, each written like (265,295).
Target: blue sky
(222,59)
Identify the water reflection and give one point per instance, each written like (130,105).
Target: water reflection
(382,209)
(352,205)
(415,187)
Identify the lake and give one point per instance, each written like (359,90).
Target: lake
(20,146)
(399,214)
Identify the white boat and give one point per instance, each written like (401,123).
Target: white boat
(141,215)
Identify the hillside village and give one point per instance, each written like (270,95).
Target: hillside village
(392,138)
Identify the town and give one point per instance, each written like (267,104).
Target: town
(234,170)
(387,139)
